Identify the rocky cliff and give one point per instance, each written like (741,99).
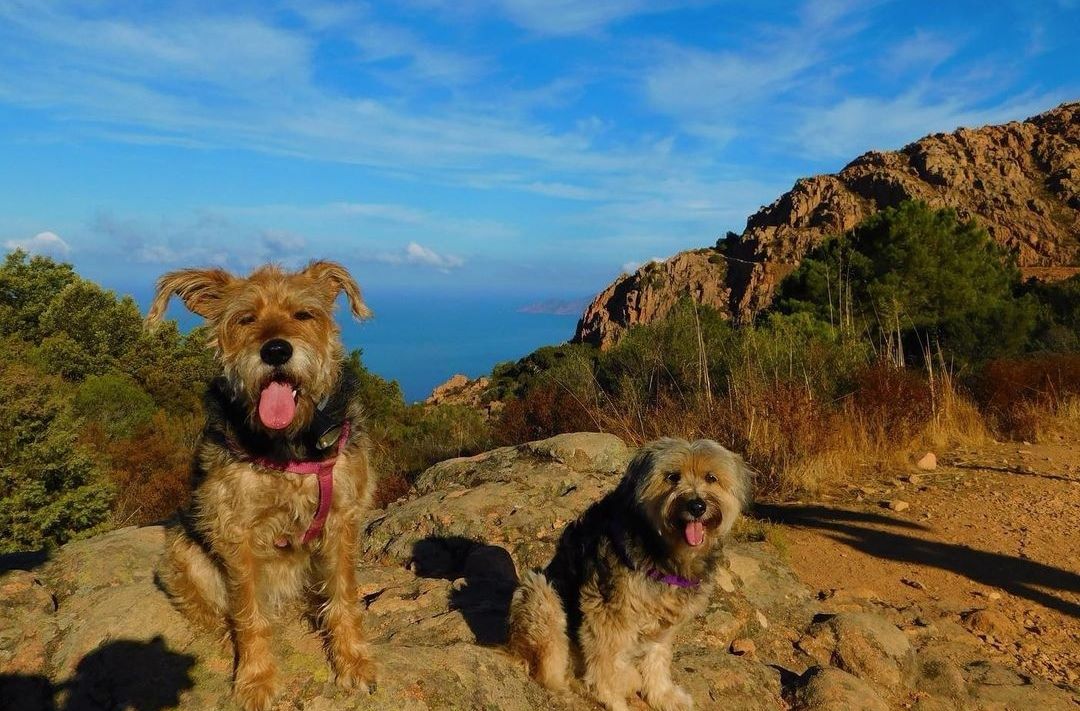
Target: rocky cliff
(650,292)
(89,629)
(1020,180)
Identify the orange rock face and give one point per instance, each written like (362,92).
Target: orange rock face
(1021,181)
(650,293)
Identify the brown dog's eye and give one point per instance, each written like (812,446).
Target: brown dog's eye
(303,315)
(711,478)
(246,320)
(674,477)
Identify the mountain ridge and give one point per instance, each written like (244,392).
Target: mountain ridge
(1020,180)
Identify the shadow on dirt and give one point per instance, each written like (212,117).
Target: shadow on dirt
(861,530)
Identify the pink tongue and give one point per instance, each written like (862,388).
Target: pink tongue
(276,405)
(695,533)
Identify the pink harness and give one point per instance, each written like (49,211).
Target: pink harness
(324,471)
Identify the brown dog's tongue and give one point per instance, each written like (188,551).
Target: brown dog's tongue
(695,533)
(277,407)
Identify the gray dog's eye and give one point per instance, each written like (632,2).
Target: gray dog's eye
(674,477)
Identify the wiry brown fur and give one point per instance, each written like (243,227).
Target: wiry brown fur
(597,598)
(225,566)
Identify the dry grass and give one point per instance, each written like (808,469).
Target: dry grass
(806,410)
(796,441)
(151,470)
(1033,398)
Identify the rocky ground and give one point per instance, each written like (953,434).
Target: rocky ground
(89,629)
(987,539)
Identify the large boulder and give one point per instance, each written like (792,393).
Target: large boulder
(864,644)
(831,689)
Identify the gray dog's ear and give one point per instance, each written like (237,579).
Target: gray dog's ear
(337,279)
(201,290)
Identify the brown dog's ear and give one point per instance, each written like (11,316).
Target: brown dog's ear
(201,291)
(336,279)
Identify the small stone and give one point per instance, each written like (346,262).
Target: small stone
(990,624)
(913,583)
(928,463)
(761,619)
(743,647)
(993,595)
(898,505)
(724,581)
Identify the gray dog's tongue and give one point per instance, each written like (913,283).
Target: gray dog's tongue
(277,406)
(695,533)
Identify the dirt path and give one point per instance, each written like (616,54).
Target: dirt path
(997,529)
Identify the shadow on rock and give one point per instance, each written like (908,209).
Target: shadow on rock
(126,674)
(23,560)
(484,578)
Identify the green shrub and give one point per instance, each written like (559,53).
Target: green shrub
(114,401)
(51,489)
(27,287)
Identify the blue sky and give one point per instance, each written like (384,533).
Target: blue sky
(522,149)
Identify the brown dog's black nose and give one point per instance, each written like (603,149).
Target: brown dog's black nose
(696,507)
(276,351)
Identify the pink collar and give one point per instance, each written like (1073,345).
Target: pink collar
(324,471)
(674,580)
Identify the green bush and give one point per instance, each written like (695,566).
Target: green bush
(89,330)
(114,401)
(1058,328)
(27,287)
(51,489)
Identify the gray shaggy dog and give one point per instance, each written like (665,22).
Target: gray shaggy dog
(629,572)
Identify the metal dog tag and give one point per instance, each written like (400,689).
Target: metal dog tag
(328,438)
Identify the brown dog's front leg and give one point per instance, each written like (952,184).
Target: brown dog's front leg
(254,685)
(349,651)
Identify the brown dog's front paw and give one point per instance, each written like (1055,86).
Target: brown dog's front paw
(355,669)
(255,689)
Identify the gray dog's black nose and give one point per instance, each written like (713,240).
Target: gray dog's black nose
(276,351)
(695,507)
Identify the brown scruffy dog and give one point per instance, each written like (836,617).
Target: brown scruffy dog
(633,568)
(281,468)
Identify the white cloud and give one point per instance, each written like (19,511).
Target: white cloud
(282,242)
(48,244)
(206,237)
(563,17)
(922,51)
(712,93)
(555,17)
(419,254)
(857,124)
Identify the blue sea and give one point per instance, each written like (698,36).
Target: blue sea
(422,338)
